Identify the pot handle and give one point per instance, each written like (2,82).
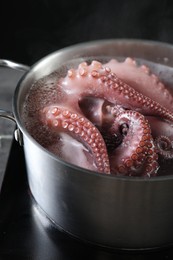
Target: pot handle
(7,114)
(17,132)
(13,65)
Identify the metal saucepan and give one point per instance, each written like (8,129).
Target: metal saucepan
(115,212)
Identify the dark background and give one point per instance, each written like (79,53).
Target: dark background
(32,29)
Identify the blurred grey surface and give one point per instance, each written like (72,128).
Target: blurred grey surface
(8,81)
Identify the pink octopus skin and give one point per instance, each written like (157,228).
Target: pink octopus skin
(96,81)
(113,107)
(142,80)
(162,132)
(62,120)
(136,151)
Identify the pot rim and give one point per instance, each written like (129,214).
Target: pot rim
(22,128)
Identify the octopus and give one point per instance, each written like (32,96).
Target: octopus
(112,118)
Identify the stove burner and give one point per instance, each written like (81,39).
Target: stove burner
(26,233)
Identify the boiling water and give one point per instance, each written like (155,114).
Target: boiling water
(47,91)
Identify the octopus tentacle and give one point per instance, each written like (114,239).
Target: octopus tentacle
(164,146)
(162,132)
(142,80)
(132,99)
(98,81)
(63,120)
(160,127)
(137,150)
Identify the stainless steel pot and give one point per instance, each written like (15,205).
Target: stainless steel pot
(116,212)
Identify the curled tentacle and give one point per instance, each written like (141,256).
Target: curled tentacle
(137,151)
(164,146)
(160,127)
(62,120)
(162,132)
